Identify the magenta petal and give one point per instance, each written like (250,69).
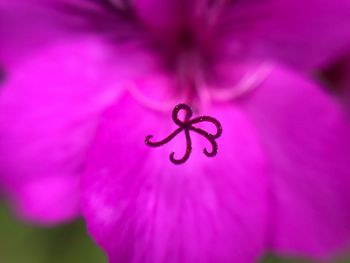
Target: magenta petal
(165,15)
(49,108)
(48,200)
(306,136)
(303,33)
(140,207)
(26,26)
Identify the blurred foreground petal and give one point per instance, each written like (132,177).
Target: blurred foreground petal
(50,109)
(306,137)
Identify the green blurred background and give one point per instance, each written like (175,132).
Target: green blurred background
(22,243)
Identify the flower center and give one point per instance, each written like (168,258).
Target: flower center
(193,54)
(190,58)
(192,49)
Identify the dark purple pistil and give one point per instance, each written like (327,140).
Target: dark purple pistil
(187,125)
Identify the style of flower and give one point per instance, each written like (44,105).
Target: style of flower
(187,125)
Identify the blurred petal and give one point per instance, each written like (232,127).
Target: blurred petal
(140,207)
(306,136)
(161,15)
(305,34)
(26,26)
(49,200)
(49,110)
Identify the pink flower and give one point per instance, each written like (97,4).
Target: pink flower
(98,76)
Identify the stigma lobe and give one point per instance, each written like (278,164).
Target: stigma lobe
(186,125)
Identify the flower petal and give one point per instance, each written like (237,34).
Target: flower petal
(305,34)
(49,199)
(140,207)
(26,26)
(49,108)
(306,136)
(160,15)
